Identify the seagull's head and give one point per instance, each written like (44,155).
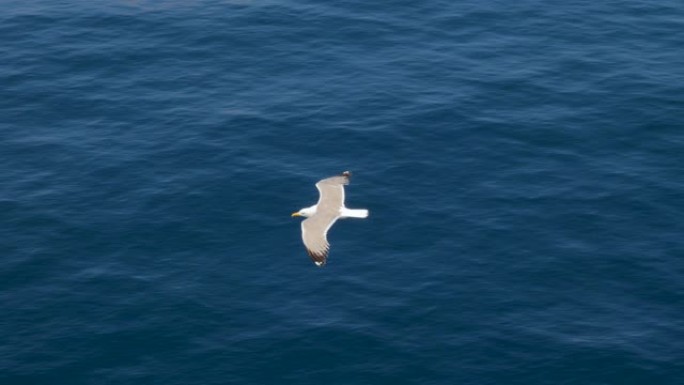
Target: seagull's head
(305,212)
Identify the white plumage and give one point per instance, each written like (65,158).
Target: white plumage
(322,215)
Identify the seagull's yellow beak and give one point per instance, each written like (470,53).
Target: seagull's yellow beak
(296,214)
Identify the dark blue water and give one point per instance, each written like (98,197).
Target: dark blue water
(522,163)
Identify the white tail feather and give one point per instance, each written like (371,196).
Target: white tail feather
(354,213)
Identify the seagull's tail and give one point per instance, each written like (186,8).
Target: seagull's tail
(354,213)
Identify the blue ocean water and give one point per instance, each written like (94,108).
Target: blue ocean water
(522,163)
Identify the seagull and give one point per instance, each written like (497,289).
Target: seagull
(322,215)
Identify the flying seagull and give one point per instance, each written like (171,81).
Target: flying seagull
(322,215)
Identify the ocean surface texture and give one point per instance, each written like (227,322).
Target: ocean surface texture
(522,161)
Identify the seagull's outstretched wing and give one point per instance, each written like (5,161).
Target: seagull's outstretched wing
(314,235)
(331,193)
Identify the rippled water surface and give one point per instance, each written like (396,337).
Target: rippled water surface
(522,164)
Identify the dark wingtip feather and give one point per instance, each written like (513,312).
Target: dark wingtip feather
(318,258)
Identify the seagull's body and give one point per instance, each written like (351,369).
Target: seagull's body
(322,215)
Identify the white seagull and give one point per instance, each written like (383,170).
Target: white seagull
(322,215)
